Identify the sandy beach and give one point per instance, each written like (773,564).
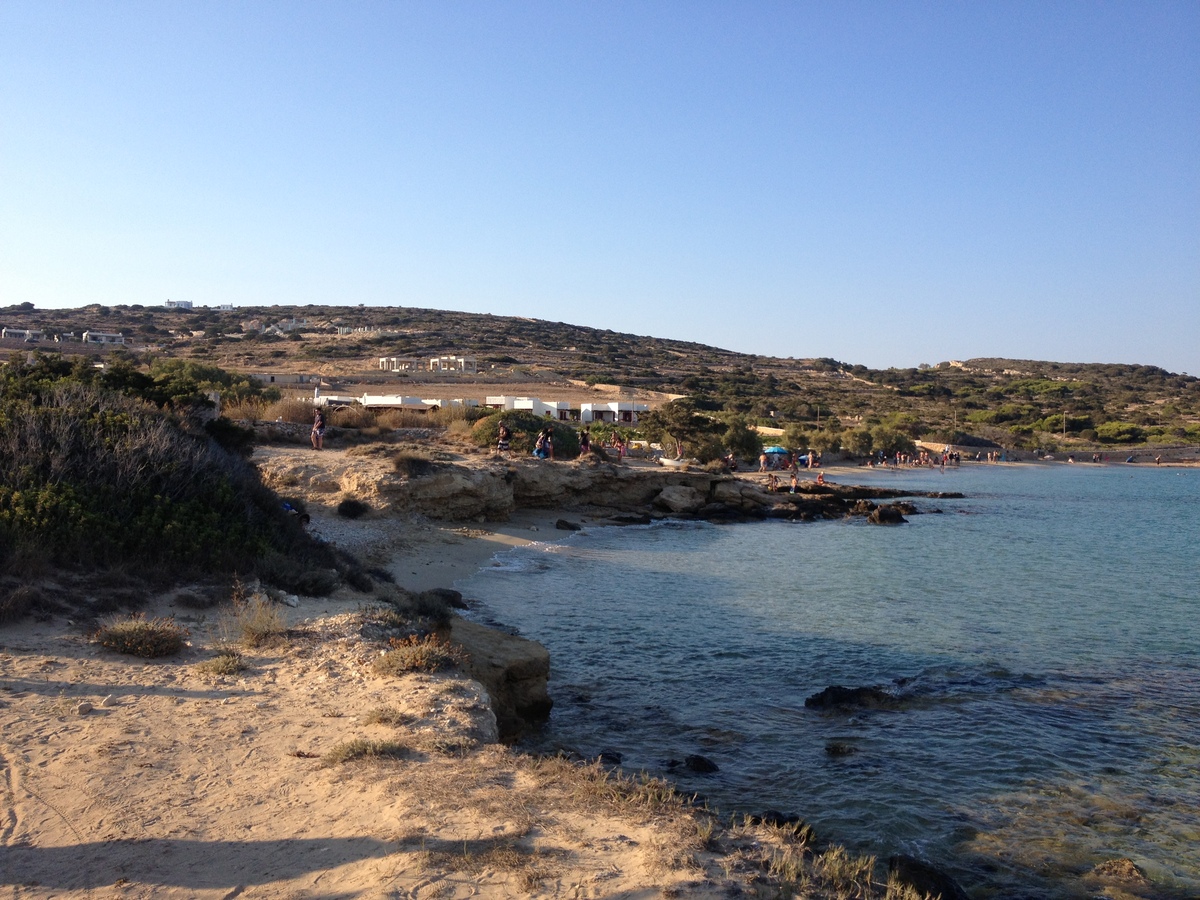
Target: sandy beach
(152,778)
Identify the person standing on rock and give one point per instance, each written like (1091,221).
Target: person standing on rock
(585,443)
(502,438)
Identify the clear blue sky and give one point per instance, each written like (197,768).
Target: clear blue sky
(883,183)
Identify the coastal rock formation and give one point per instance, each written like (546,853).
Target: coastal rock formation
(680,498)
(837,697)
(491,490)
(514,672)
(886,515)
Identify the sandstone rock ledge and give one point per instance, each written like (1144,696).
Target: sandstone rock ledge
(491,490)
(513,671)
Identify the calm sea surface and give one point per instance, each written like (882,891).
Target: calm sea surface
(1045,630)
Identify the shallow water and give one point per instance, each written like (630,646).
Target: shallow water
(1042,630)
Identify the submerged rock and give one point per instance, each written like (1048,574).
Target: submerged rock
(838,697)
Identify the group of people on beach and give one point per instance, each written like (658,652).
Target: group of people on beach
(783,461)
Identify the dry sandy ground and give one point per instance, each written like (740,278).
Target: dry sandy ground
(178,783)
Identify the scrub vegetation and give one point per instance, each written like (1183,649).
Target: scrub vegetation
(124,469)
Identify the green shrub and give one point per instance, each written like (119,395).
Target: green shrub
(93,478)
(139,636)
(419,654)
(525,427)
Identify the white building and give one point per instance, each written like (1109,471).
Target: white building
(400,364)
(178,304)
(465,364)
(100,337)
(20,334)
(393,401)
(623,412)
(554,409)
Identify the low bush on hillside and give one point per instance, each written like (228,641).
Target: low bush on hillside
(525,427)
(93,475)
(139,636)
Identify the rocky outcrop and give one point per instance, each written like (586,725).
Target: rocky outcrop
(836,697)
(492,490)
(514,672)
(680,498)
(886,515)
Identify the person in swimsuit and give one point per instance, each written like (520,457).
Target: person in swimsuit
(318,430)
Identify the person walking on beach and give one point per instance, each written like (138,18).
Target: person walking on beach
(318,430)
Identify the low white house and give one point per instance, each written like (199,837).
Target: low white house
(100,337)
(554,409)
(448,404)
(622,412)
(178,304)
(20,334)
(392,401)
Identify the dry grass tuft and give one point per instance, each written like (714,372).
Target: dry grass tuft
(419,654)
(297,411)
(411,464)
(386,715)
(360,748)
(253,621)
(226,662)
(530,865)
(139,636)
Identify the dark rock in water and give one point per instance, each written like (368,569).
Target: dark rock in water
(702,765)
(863,508)
(564,525)
(837,748)
(924,878)
(610,757)
(905,508)
(838,697)
(886,515)
(451,598)
(629,520)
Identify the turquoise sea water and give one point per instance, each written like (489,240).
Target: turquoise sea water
(1045,631)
